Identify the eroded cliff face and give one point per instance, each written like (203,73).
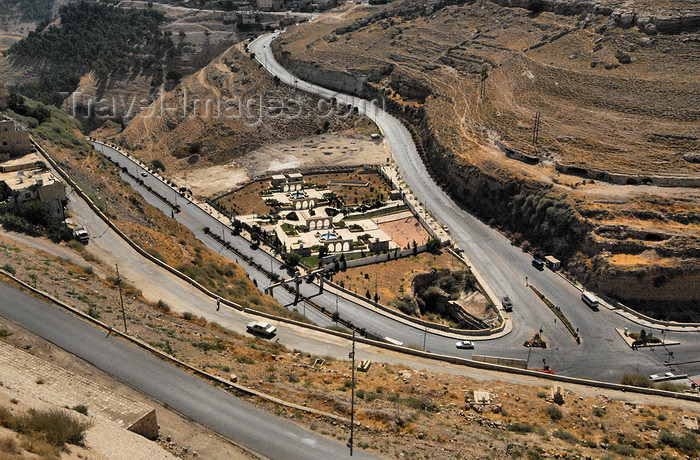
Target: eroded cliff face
(607,232)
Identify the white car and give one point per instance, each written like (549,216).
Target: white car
(261,328)
(465,345)
(144,174)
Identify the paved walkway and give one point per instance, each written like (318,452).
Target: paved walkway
(26,374)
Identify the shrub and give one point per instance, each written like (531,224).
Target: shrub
(162,306)
(636,380)
(54,426)
(598,412)
(404,307)
(554,412)
(564,436)
(620,449)
(188,316)
(82,408)
(686,443)
(672,386)
(521,428)
(156,254)
(433,245)
(9,445)
(9,269)
(93,313)
(206,346)
(421,403)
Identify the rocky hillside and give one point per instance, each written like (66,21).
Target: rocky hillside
(526,108)
(224,111)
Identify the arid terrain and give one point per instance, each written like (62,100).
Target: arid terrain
(617,136)
(232,131)
(404,412)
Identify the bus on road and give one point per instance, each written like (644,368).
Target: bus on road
(590,300)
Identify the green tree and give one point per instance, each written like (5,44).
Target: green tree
(433,245)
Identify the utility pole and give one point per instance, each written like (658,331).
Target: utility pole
(536,129)
(352,395)
(121,298)
(482,84)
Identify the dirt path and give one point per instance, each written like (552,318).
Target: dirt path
(326,150)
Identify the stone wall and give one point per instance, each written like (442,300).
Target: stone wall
(3,97)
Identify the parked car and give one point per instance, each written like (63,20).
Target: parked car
(261,328)
(81,235)
(507,304)
(465,345)
(538,264)
(144,174)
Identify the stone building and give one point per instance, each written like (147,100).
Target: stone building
(13,141)
(270,5)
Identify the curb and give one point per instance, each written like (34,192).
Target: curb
(167,357)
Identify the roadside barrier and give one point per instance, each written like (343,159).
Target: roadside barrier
(388,346)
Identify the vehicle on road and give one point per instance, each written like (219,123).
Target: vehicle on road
(538,264)
(261,328)
(507,304)
(667,376)
(446,229)
(465,345)
(144,174)
(393,341)
(590,300)
(81,235)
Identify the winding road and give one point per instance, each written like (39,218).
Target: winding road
(602,354)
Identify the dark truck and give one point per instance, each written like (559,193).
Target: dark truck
(507,304)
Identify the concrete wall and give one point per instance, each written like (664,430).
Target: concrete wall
(146,426)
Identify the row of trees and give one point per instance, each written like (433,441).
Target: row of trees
(48,89)
(102,38)
(32,10)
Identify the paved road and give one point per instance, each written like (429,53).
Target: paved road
(602,355)
(194,218)
(193,397)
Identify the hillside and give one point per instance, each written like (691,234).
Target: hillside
(422,410)
(158,234)
(243,113)
(617,136)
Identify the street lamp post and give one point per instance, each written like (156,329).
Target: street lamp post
(352,395)
(121,299)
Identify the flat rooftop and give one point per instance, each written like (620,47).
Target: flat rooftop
(19,180)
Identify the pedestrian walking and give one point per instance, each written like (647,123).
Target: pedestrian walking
(218,303)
